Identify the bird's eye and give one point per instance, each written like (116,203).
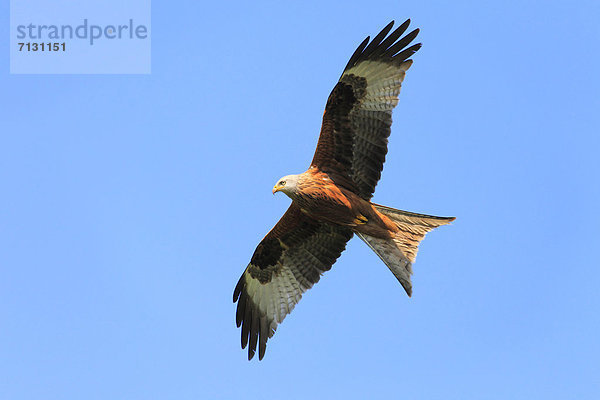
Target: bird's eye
(281,183)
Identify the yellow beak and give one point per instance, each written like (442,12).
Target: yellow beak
(276,189)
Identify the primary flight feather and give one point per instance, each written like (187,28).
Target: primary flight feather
(331,200)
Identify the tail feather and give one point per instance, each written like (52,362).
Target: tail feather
(399,252)
(391,255)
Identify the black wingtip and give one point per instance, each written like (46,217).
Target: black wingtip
(385,45)
(407,53)
(238,288)
(244,340)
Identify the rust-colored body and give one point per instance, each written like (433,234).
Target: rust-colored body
(319,197)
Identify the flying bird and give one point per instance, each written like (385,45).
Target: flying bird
(331,200)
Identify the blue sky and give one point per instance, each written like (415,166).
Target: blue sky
(131,205)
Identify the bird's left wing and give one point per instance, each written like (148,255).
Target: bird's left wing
(358,115)
(286,263)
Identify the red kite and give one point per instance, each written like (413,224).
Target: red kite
(331,200)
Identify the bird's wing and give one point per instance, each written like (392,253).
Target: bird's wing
(286,263)
(358,115)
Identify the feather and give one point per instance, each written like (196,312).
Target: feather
(358,111)
(286,263)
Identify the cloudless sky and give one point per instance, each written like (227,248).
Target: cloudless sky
(130,205)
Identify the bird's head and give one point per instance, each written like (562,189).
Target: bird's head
(287,185)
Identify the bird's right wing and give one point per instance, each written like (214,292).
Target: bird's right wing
(286,263)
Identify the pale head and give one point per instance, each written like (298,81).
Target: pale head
(288,185)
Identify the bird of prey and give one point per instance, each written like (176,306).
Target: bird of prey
(331,200)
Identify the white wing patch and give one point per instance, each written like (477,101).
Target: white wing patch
(383,83)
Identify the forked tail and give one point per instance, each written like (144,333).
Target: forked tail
(399,252)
